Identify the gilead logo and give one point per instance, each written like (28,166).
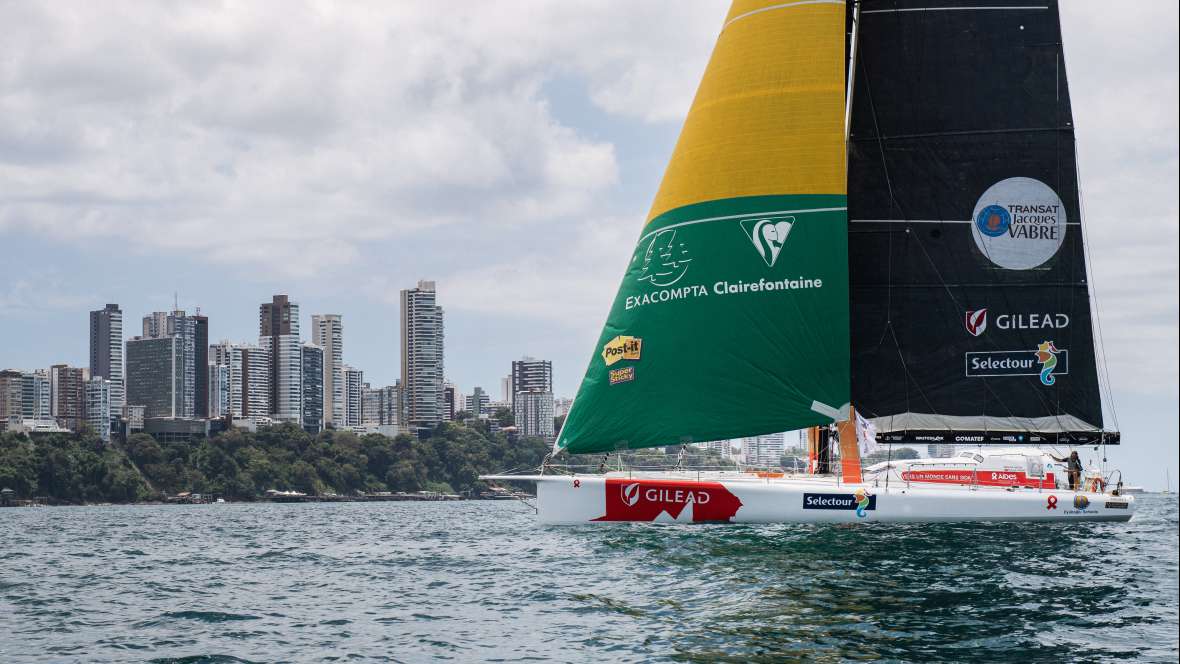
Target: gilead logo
(646,500)
(976,322)
(630,493)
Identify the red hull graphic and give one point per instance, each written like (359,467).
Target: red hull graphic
(644,500)
(982,478)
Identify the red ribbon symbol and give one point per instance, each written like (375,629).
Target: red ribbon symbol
(1052,503)
(578,483)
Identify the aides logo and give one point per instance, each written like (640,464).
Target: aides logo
(1019,223)
(976,322)
(1046,362)
(861,501)
(668,500)
(768,234)
(624,375)
(622,348)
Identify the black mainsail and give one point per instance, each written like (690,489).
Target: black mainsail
(970,309)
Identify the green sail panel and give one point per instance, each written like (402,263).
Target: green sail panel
(731,321)
(732,318)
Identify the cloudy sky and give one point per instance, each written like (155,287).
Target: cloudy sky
(224,152)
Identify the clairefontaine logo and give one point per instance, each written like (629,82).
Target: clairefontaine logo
(630,494)
(976,322)
(1081,502)
(1047,357)
(768,234)
(993,221)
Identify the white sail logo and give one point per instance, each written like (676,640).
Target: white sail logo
(630,494)
(1019,223)
(768,234)
(665,260)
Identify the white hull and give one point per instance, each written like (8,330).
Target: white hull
(738,498)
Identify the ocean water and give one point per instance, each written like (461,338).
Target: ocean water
(480,581)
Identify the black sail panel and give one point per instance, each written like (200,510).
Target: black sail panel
(970,307)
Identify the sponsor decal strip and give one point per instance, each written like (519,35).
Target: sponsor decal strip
(645,500)
(983,478)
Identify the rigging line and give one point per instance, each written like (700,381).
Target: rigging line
(1092,286)
(994,343)
(888,328)
(910,376)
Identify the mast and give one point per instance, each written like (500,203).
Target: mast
(852,39)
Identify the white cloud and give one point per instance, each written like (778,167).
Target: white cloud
(254,132)
(311,141)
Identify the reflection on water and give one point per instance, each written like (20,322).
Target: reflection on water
(420,581)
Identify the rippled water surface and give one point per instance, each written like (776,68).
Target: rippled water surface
(481,581)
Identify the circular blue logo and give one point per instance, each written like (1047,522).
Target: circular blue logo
(993,221)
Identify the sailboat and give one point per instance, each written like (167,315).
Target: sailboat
(872,211)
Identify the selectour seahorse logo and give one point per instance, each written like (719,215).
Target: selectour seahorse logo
(768,234)
(1047,357)
(862,502)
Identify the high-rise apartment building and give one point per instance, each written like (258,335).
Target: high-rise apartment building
(11,395)
(422,356)
(106,352)
(328,333)
(313,388)
(764,451)
(159,377)
(389,411)
(201,406)
(217,397)
(354,396)
(534,414)
(449,398)
(561,406)
(278,335)
(531,375)
(249,379)
(98,406)
(477,402)
(181,395)
(35,395)
(67,388)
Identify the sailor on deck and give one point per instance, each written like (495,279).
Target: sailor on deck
(1074,467)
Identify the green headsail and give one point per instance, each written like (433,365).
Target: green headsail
(732,318)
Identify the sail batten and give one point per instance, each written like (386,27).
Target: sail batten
(732,317)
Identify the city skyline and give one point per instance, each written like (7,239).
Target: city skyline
(68,359)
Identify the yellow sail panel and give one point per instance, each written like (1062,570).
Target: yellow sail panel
(768,117)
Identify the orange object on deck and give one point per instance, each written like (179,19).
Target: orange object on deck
(849,449)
